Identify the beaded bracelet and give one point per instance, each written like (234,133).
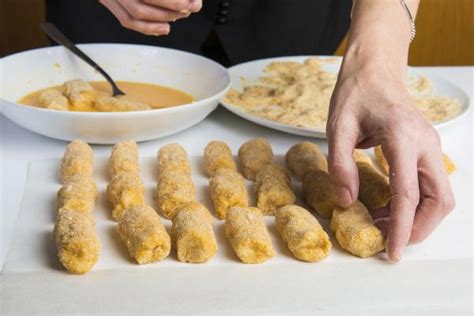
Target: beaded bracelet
(412,22)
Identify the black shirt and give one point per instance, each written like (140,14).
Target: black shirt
(228,31)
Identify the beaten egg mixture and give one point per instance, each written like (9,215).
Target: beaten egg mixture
(96,96)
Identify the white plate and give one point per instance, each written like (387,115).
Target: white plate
(254,69)
(433,276)
(26,72)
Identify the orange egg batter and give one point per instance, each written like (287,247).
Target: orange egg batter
(155,96)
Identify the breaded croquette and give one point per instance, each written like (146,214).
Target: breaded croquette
(448,164)
(141,230)
(80,93)
(218,155)
(78,193)
(53,99)
(355,230)
(126,189)
(302,233)
(227,189)
(374,189)
(273,188)
(78,159)
(193,234)
(173,157)
(305,157)
(174,190)
(117,104)
(253,155)
(319,193)
(76,240)
(124,158)
(247,234)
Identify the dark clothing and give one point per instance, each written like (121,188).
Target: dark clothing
(230,32)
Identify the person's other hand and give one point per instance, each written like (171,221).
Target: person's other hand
(151,17)
(370,106)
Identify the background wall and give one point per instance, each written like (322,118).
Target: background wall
(445,33)
(19,25)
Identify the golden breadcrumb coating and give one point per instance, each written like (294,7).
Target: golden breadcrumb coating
(319,193)
(173,157)
(141,230)
(302,233)
(53,99)
(124,158)
(355,230)
(193,234)
(448,164)
(305,157)
(80,93)
(299,93)
(228,189)
(271,172)
(78,193)
(78,159)
(174,189)
(218,155)
(118,104)
(253,155)
(76,240)
(247,234)
(374,189)
(273,188)
(126,189)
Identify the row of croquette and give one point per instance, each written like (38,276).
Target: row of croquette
(147,240)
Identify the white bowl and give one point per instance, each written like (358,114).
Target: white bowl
(32,70)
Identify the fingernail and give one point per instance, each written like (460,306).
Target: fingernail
(184,14)
(395,257)
(195,6)
(163,30)
(344,197)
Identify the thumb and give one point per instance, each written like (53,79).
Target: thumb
(342,167)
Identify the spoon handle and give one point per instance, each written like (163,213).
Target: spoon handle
(52,31)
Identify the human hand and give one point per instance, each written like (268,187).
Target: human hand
(151,17)
(371,106)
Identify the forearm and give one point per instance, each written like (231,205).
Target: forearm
(380,33)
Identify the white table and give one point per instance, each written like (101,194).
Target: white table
(18,146)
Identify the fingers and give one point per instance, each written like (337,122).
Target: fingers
(342,139)
(141,11)
(382,225)
(380,213)
(436,194)
(177,5)
(153,18)
(405,195)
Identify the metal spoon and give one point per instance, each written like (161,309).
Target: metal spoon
(52,31)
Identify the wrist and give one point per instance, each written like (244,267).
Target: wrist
(380,34)
(379,49)
(372,65)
